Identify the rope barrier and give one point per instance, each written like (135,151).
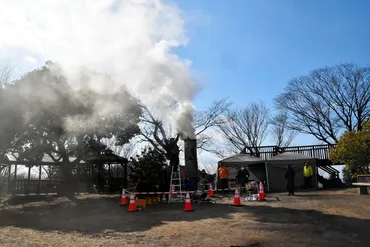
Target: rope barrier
(176,192)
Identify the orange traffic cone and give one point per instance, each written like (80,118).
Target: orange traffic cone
(188,207)
(237,202)
(132,206)
(261,195)
(211,193)
(123,198)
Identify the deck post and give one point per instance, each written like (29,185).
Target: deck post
(267,177)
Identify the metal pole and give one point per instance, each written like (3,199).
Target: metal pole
(216,178)
(267,177)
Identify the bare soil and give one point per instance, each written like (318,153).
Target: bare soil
(319,218)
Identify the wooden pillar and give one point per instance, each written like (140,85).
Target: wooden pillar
(109,173)
(39,188)
(317,176)
(15,179)
(126,176)
(29,179)
(9,177)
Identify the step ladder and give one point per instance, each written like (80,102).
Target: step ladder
(176,182)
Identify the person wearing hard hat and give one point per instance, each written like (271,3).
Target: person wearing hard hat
(223,173)
(307,173)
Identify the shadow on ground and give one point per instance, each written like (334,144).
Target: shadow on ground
(96,215)
(99,215)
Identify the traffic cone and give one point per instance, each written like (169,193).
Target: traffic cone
(211,193)
(123,198)
(261,195)
(132,206)
(188,207)
(237,202)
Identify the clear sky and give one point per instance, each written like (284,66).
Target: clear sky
(248,50)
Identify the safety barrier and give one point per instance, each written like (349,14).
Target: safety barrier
(176,192)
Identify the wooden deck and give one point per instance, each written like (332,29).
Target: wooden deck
(320,152)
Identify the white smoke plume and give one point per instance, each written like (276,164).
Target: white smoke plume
(131,40)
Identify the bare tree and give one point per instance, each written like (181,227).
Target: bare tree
(281,134)
(206,123)
(327,101)
(154,132)
(127,150)
(6,74)
(246,127)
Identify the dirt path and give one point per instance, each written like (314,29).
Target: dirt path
(330,218)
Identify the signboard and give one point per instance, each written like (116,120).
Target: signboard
(363,179)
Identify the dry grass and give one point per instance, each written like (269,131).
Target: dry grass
(330,218)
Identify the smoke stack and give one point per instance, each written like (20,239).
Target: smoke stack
(191,161)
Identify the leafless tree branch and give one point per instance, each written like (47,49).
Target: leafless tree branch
(327,101)
(281,134)
(246,127)
(153,130)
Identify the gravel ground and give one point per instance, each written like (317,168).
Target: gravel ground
(319,218)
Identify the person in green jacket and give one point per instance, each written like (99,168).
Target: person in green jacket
(307,173)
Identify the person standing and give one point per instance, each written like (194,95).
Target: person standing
(223,174)
(241,178)
(307,173)
(289,177)
(203,180)
(172,152)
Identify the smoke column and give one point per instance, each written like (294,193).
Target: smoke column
(131,40)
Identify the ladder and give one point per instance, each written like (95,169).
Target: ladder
(176,183)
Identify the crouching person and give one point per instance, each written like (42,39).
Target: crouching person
(242,178)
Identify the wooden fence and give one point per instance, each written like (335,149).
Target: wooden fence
(27,187)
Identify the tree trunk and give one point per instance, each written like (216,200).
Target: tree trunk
(67,186)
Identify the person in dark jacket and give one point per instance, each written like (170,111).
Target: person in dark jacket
(289,177)
(242,178)
(203,179)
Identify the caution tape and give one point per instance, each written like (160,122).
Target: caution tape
(175,192)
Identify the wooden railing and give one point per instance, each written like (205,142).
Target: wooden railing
(26,187)
(316,151)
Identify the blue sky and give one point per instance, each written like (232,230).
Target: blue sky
(241,49)
(248,50)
